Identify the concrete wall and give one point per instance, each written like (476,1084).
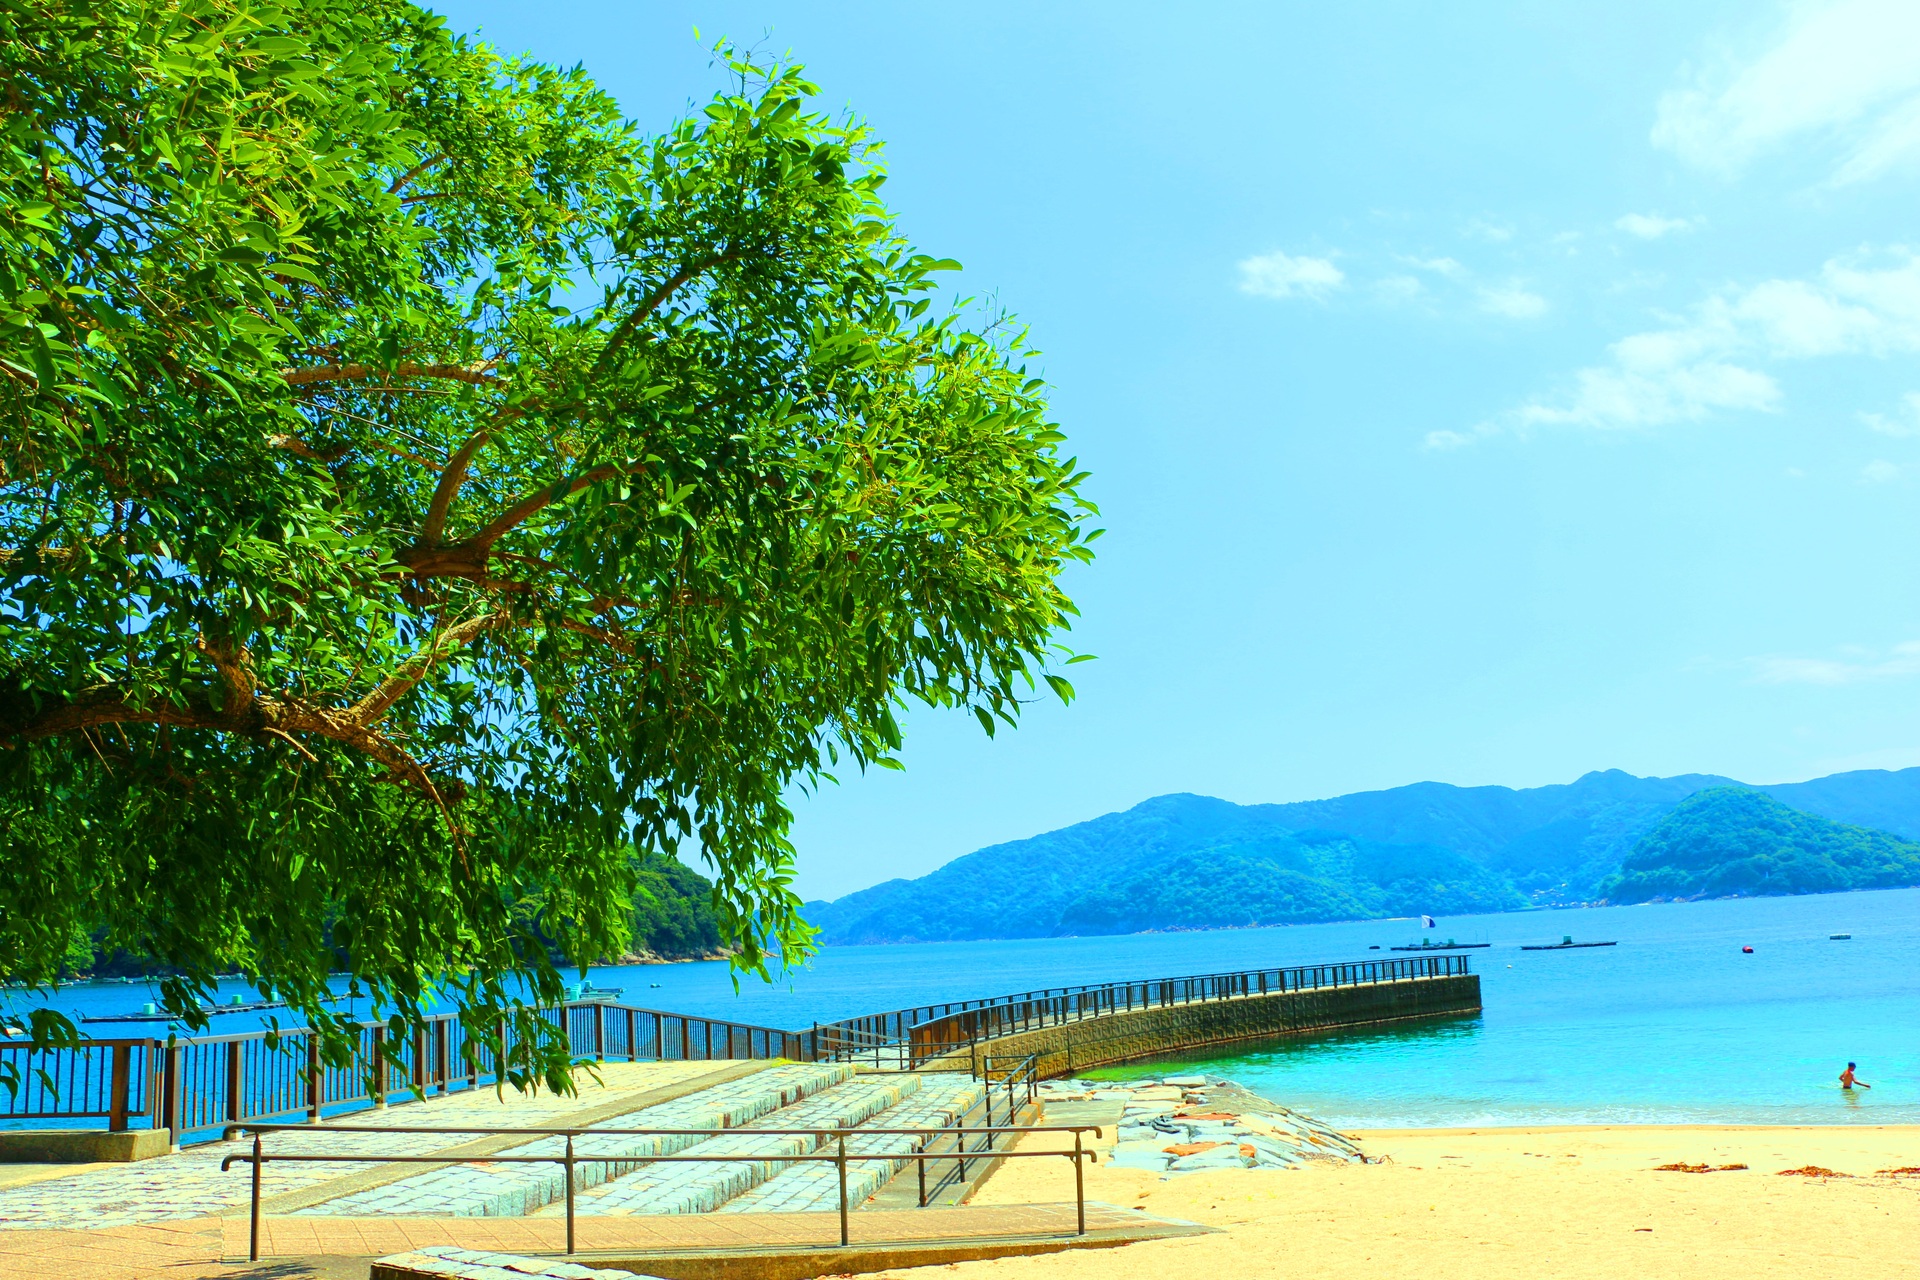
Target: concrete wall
(1143,1033)
(80,1146)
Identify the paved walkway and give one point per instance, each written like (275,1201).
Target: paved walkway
(189,1183)
(204,1248)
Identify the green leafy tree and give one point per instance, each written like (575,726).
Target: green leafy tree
(417,485)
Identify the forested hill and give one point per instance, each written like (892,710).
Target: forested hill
(1732,840)
(1191,862)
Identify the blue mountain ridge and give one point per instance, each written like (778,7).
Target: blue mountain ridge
(1189,861)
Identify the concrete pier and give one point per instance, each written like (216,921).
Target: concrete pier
(1125,1035)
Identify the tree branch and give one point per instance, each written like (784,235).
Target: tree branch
(396,686)
(400,183)
(451,479)
(652,302)
(528,506)
(478,375)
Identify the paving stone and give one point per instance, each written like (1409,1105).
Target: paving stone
(816,1186)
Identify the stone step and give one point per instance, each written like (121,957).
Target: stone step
(686,1187)
(815,1185)
(486,1189)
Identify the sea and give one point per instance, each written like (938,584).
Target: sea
(1678,1024)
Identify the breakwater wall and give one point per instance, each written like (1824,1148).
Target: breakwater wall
(1125,1035)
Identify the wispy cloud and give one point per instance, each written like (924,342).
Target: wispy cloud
(1651,226)
(1513,302)
(1855,666)
(1879,471)
(1705,363)
(1896,426)
(1845,71)
(1439,266)
(1281,275)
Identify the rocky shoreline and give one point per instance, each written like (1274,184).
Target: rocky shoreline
(1189,1123)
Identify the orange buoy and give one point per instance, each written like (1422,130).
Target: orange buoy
(1747,950)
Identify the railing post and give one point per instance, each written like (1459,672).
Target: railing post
(569,1193)
(235,1083)
(378,1067)
(253,1224)
(1079,1184)
(633,1046)
(117,1100)
(442,1064)
(316,1083)
(840,1162)
(599,1033)
(176,1093)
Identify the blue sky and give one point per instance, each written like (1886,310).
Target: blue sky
(1478,393)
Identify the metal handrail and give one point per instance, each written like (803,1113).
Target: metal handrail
(1025,1070)
(259,1157)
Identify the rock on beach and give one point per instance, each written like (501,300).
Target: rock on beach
(1190,1123)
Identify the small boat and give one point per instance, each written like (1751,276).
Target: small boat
(1567,943)
(1448,945)
(1839,937)
(587,993)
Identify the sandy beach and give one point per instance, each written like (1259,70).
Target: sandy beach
(1562,1202)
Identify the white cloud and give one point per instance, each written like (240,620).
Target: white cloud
(1513,302)
(1280,275)
(1846,71)
(1399,288)
(1893,427)
(1858,665)
(1705,362)
(1651,226)
(1439,266)
(1879,471)
(1497,232)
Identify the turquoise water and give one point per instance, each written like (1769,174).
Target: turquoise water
(1674,1025)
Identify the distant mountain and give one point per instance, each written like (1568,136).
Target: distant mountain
(1733,840)
(1190,862)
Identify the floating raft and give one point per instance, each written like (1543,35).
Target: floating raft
(1567,944)
(1839,937)
(1442,946)
(211,1010)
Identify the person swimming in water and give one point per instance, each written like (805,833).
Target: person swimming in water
(1847,1081)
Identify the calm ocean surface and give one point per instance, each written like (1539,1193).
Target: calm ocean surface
(1674,1025)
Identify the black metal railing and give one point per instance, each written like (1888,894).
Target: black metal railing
(259,1157)
(935,1028)
(975,1134)
(198,1087)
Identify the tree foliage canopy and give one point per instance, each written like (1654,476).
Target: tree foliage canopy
(416,483)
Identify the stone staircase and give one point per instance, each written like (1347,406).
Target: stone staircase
(512,1190)
(815,1185)
(791,1096)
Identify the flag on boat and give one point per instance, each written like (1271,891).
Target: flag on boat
(1426,922)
